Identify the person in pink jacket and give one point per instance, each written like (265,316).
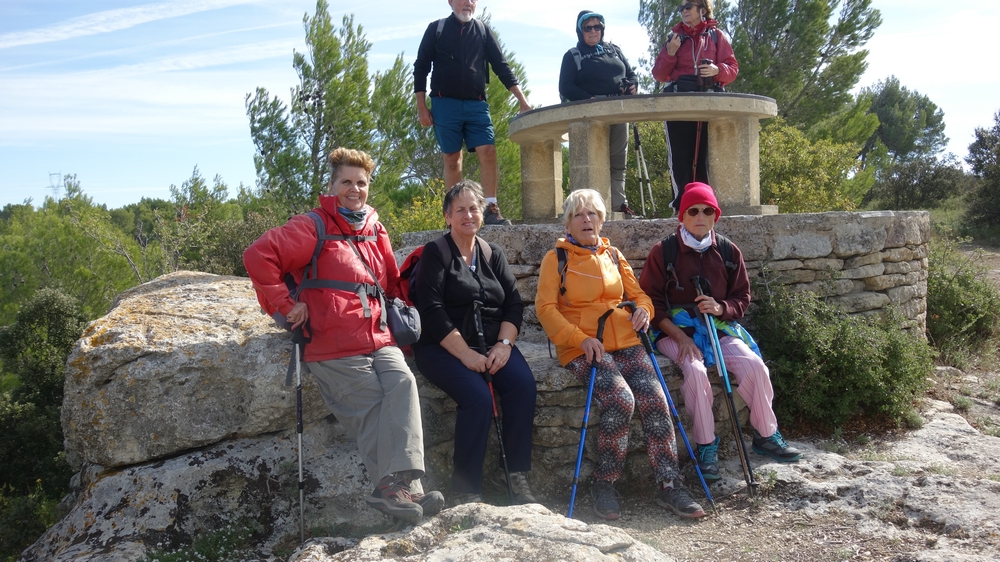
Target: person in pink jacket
(697,57)
(360,371)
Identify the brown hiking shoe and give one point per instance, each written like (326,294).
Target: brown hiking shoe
(627,211)
(392,497)
(492,215)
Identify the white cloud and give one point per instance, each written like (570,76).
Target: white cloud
(112,20)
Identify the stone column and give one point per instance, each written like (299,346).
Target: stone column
(541,181)
(734,165)
(590,158)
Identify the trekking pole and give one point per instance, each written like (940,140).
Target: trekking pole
(477,311)
(586,412)
(720,362)
(298,430)
(697,147)
(644,338)
(640,165)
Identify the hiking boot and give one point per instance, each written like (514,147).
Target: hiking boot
(627,212)
(605,500)
(775,447)
(432,502)
(679,500)
(392,497)
(518,484)
(707,458)
(469,497)
(492,215)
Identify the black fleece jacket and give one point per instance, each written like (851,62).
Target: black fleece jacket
(459,60)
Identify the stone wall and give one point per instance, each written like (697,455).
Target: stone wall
(861,261)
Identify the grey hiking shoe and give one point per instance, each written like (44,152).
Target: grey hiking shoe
(605,500)
(518,484)
(432,502)
(491,215)
(468,497)
(392,497)
(775,447)
(707,458)
(679,501)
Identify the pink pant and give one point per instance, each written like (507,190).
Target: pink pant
(745,369)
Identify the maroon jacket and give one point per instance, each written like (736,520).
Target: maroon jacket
(731,290)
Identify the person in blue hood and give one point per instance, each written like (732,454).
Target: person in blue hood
(596,68)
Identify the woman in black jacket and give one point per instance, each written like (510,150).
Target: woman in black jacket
(596,69)
(449,351)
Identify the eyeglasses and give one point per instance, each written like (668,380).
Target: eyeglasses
(693,212)
(687,6)
(588,28)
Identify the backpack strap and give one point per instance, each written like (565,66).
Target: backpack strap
(440,28)
(726,250)
(577,58)
(561,257)
(310,279)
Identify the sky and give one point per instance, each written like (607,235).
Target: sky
(130,96)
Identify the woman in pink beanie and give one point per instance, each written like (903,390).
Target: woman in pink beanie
(684,338)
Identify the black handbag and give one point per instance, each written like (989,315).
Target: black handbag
(402,319)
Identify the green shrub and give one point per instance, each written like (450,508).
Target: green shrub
(232,543)
(422,213)
(828,366)
(963,307)
(23,519)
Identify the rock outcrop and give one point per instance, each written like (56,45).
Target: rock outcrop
(179,363)
(475,532)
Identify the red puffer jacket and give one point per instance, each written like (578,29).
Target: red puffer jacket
(336,317)
(699,46)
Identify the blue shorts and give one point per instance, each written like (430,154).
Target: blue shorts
(458,120)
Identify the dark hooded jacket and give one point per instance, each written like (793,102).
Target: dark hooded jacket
(602,68)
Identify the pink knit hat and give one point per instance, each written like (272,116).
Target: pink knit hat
(696,193)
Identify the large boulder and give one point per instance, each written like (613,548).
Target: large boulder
(184,361)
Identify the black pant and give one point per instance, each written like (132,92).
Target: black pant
(681,137)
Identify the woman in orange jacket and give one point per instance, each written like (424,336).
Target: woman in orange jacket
(571,296)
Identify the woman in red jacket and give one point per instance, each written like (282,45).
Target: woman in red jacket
(697,57)
(362,375)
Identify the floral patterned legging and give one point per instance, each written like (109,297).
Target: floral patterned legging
(626,379)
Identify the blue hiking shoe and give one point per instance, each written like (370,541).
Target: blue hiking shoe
(775,447)
(707,457)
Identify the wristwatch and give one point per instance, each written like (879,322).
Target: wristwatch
(506,342)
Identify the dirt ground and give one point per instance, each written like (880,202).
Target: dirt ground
(752,530)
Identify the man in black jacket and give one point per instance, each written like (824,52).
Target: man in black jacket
(459,48)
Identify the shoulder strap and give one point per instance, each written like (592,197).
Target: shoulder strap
(440,28)
(621,272)
(442,243)
(670,248)
(726,251)
(577,58)
(311,280)
(561,256)
(487,250)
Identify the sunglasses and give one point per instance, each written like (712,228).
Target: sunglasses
(589,28)
(687,6)
(692,212)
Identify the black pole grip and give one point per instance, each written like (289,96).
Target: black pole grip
(600,325)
